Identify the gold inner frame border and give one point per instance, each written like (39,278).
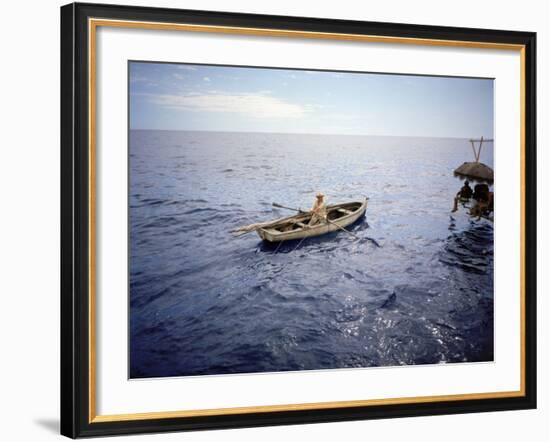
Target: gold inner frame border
(93,24)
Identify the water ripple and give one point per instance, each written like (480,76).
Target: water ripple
(416,288)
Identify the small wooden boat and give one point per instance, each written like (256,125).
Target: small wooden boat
(296,227)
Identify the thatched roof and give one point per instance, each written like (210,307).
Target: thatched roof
(475,171)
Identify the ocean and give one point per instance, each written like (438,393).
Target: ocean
(416,288)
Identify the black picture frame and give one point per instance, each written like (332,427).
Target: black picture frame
(75,220)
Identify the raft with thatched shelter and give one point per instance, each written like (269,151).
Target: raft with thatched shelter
(481,173)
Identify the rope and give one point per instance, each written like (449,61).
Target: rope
(278,246)
(299,244)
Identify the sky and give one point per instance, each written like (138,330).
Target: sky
(170,96)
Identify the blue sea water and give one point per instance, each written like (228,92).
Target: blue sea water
(416,288)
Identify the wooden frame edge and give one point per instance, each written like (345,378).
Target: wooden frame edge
(275,32)
(92,417)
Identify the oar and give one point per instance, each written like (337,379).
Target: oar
(325,218)
(289,208)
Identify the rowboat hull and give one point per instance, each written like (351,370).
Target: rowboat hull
(288,229)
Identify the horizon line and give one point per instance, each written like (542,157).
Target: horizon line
(307,133)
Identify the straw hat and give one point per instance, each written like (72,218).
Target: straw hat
(320,195)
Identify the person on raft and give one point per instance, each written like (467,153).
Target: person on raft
(318,211)
(464,194)
(484,201)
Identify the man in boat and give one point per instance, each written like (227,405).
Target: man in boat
(318,211)
(464,194)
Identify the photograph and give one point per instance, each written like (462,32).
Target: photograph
(295,219)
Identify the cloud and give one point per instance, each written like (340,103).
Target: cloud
(206,79)
(186,68)
(254,105)
(137,78)
(178,76)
